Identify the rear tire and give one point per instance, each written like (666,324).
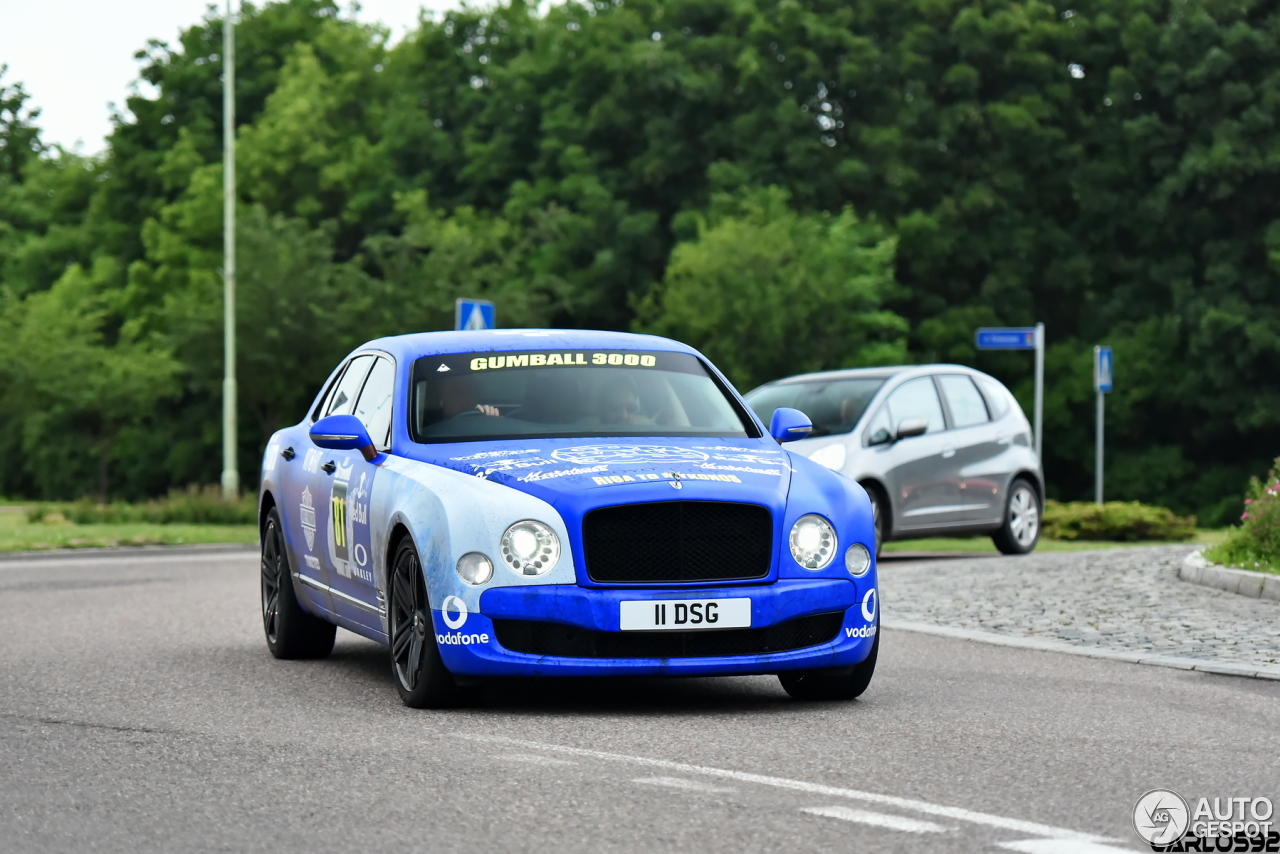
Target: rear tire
(421,677)
(1021,529)
(825,685)
(291,632)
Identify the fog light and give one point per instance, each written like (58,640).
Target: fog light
(857,560)
(475,568)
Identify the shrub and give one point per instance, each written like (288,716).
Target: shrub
(1256,543)
(192,506)
(1115,521)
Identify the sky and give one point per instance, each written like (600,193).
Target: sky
(75,57)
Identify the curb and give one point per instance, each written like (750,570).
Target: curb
(1255,671)
(1244,582)
(127,551)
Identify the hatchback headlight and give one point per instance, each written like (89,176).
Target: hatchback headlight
(831,456)
(475,568)
(530,548)
(813,542)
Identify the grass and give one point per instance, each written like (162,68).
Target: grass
(984,544)
(19,535)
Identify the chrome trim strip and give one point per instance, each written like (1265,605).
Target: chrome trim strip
(351,600)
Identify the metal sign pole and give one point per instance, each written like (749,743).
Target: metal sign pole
(230,467)
(1098,456)
(1039,416)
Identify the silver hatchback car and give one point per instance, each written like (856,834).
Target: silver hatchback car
(942,450)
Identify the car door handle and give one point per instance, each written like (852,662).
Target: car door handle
(329,467)
(948,453)
(1004,440)
(288,453)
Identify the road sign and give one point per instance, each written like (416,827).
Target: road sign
(1102,369)
(1016,338)
(473,314)
(1021,338)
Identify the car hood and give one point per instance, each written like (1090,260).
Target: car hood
(577,474)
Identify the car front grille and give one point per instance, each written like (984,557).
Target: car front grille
(534,637)
(678,541)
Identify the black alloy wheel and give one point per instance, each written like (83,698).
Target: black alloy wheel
(421,677)
(291,632)
(838,685)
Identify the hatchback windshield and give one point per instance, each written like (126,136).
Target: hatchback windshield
(833,406)
(468,396)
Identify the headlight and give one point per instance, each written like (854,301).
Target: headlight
(813,542)
(530,548)
(475,568)
(832,456)
(857,560)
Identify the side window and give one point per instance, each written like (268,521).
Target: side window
(917,399)
(344,393)
(880,429)
(966,403)
(997,397)
(374,407)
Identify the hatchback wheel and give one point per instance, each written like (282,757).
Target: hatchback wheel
(1021,529)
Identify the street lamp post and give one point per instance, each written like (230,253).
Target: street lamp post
(230,467)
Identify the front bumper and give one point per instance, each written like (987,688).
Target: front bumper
(471,648)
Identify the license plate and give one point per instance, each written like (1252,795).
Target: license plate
(684,614)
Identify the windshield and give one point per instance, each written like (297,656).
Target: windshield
(833,406)
(469,396)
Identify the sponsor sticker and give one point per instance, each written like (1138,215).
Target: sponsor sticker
(547,360)
(456,639)
(869,606)
(453,603)
(860,632)
(307,515)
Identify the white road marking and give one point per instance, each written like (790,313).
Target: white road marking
(1062,846)
(957,813)
(533,759)
(679,783)
(878,819)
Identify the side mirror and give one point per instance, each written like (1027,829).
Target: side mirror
(911,427)
(343,433)
(789,424)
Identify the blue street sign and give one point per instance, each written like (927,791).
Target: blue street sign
(473,314)
(1102,364)
(1017,338)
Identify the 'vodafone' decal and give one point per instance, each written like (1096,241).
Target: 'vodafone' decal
(869,605)
(453,603)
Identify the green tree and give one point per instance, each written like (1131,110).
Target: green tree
(766,292)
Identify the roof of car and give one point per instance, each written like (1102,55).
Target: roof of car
(419,344)
(878,373)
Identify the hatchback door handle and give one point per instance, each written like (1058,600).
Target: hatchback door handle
(329,467)
(948,453)
(288,453)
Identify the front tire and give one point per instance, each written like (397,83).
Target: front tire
(879,514)
(421,677)
(291,632)
(825,685)
(1021,529)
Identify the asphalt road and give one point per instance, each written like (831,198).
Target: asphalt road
(140,711)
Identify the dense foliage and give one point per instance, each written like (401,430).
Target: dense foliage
(790,184)
(1256,543)
(1116,522)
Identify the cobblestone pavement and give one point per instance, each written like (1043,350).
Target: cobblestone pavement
(1126,600)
